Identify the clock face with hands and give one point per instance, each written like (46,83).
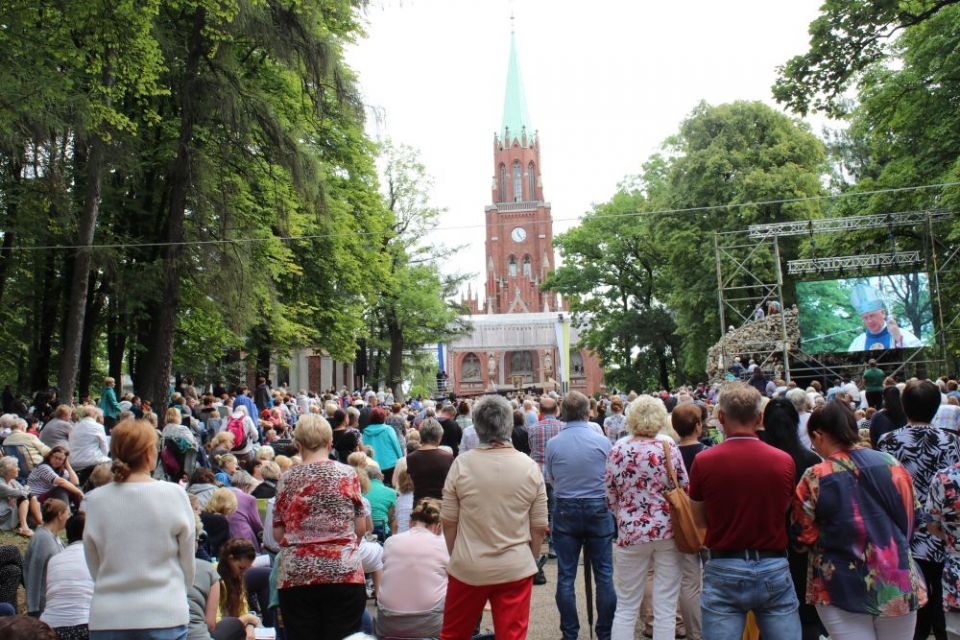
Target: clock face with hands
(519,234)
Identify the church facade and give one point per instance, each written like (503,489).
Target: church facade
(514,343)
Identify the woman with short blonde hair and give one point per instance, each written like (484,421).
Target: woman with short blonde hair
(318,519)
(215,518)
(270,470)
(637,478)
(646,417)
(228,465)
(313,433)
(174,429)
(222,441)
(284,462)
(223,501)
(15,499)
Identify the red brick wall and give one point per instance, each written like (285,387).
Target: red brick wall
(313,373)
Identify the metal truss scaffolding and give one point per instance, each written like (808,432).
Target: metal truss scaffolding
(867,260)
(750,276)
(852,223)
(742,289)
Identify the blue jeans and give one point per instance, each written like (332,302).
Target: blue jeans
(168,633)
(734,586)
(550,503)
(588,523)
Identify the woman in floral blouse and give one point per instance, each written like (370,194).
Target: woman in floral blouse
(636,479)
(317,518)
(943,505)
(855,511)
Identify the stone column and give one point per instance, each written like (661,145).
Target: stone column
(303,371)
(326,372)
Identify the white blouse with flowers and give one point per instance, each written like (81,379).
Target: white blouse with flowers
(636,479)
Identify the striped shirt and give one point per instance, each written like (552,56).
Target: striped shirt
(540,434)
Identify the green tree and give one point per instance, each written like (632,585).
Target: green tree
(903,131)
(67,70)
(237,190)
(849,37)
(732,154)
(613,279)
(264,141)
(413,307)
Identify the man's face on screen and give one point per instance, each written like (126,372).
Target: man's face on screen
(874,321)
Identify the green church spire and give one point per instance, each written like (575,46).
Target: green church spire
(515,115)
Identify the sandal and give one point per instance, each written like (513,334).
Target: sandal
(26,533)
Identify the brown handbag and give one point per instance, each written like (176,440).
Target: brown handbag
(686,534)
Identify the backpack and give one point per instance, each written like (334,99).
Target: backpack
(236,429)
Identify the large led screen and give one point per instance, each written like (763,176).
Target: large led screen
(865,313)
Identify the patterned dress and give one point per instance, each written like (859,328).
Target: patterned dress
(636,478)
(923,450)
(943,505)
(615,426)
(855,511)
(316,504)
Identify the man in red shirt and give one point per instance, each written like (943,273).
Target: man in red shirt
(742,490)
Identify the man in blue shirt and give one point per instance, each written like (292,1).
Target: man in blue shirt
(574,464)
(245,400)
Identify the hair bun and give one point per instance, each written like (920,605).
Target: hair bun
(121,471)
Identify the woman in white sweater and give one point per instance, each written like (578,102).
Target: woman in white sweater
(139,545)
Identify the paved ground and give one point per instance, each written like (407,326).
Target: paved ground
(544,617)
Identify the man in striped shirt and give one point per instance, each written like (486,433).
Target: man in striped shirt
(541,433)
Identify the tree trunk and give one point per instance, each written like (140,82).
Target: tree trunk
(263,359)
(116,328)
(90,319)
(663,370)
(157,360)
(395,366)
(374,378)
(12,199)
(77,307)
(47,322)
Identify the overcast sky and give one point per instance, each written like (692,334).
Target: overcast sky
(606,82)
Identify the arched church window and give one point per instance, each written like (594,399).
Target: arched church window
(531,182)
(502,184)
(517,182)
(512,267)
(527,269)
(471,368)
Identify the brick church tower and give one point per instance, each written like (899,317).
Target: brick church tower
(514,342)
(519,243)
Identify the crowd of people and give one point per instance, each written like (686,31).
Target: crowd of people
(815,512)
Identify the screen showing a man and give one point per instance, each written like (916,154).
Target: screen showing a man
(866,313)
(881,330)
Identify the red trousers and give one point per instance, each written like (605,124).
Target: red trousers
(510,602)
